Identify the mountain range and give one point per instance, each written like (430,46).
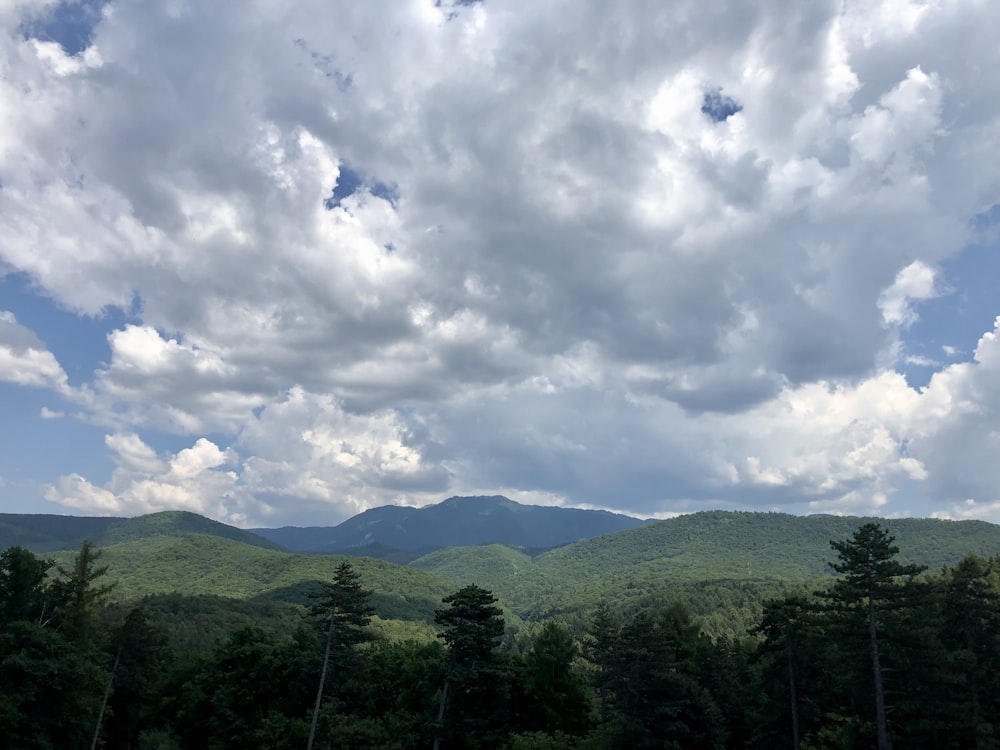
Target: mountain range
(404,534)
(722,564)
(389,532)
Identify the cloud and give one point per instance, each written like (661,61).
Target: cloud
(197,479)
(24,360)
(479,247)
(47,413)
(915,282)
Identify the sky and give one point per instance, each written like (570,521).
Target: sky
(277,263)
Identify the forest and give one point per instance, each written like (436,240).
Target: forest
(884,652)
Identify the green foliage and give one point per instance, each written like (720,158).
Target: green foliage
(22,586)
(345,607)
(722,564)
(488,566)
(50,690)
(197,564)
(554,694)
(77,596)
(475,691)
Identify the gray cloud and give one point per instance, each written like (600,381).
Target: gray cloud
(579,284)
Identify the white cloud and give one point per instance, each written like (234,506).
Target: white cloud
(47,413)
(24,360)
(558,276)
(199,479)
(915,282)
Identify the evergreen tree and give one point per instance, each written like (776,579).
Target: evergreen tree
(971,633)
(785,628)
(347,609)
(78,596)
(139,659)
(867,585)
(22,587)
(553,692)
(473,700)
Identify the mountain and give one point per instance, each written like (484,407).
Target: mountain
(748,548)
(455,522)
(50,533)
(722,565)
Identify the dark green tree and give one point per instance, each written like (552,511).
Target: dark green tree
(473,699)
(867,586)
(653,671)
(22,587)
(139,660)
(347,610)
(971,634)
(554,694)
(78,597)
(785,627)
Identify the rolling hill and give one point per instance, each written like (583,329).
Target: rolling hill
(204,565)
(721,563)
(747,548)
(49,533)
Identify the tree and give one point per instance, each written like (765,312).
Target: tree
(349,609)
(471,627)
(971,634)
(555,694)
(783,625)
(139,656)
(22,586)
(868,571)
(78,597)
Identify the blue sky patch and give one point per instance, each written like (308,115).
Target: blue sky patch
(71,24)
(718,106)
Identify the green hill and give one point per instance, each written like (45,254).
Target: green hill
(202,565)
(488,566)
(749,551)
(722,564)
(177,523)
(42,533)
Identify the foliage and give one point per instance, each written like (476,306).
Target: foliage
(474,695)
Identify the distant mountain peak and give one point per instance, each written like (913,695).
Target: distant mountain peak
(457,521)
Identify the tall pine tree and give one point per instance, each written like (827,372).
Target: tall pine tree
(867,585)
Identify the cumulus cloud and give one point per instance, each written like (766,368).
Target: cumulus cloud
(649,259)
(24,360)
(198,479)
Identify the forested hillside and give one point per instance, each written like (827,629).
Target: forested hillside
(48,533)
(883,652)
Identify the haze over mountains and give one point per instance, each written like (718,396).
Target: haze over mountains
(389,532)
(455,522)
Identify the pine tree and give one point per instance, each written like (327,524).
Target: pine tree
(348,609)
(472,695)
(78,596)
(867,584)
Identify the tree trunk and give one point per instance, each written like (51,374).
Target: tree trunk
(884,743)
(322,681)
(104,702)
(441,707)
(794,701)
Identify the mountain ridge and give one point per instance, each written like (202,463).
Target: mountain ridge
(457,521)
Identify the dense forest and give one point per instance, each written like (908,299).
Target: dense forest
(882,653)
